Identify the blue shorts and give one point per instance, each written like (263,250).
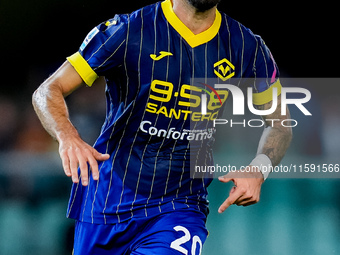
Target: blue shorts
(173,233)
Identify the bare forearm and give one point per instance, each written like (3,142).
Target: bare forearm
(276,138)
(50,106)
(274,143)
(49,103)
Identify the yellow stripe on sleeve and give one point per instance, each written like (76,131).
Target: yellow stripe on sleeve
(267,96)
(83,68)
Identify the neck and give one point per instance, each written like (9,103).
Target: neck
(195,20)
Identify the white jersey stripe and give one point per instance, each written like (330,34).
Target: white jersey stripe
(134,103)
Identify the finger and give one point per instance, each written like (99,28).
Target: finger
(93,166)
(84,170)
(231,176)
(246,201)
(225,179)
(249,203)
(237,175)
(73,166)
(233,196)
(93,158)
(66,164)
(248,198)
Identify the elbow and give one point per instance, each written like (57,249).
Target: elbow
(37,97)
(44,92)
(40,97)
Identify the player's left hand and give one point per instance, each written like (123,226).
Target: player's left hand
(247,188)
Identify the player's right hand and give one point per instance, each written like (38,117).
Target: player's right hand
(75,152)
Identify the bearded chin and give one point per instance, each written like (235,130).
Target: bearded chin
(203,5)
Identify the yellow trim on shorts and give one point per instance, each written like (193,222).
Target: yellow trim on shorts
(267,96)
(83,68)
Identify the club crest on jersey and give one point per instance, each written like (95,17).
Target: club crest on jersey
(224,69)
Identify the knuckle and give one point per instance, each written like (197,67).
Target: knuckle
(250,197)
(70,151)
(86,150)
(63,154)
(249,194)
(74,171)
(243,190)
(74,165)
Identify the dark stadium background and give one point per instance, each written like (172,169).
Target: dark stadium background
(295,216)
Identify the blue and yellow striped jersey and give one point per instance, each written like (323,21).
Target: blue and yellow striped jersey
(150,61)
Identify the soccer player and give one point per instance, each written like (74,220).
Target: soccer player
(133,192)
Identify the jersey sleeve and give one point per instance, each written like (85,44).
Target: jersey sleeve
(102,50)
(264,73)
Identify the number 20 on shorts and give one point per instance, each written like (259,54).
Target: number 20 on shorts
(176,245)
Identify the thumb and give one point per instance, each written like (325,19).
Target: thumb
(99,156)
(225,179)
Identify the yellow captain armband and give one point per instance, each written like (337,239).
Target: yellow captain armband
(267,96)
(83,68)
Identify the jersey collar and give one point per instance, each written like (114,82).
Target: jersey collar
(192,39)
